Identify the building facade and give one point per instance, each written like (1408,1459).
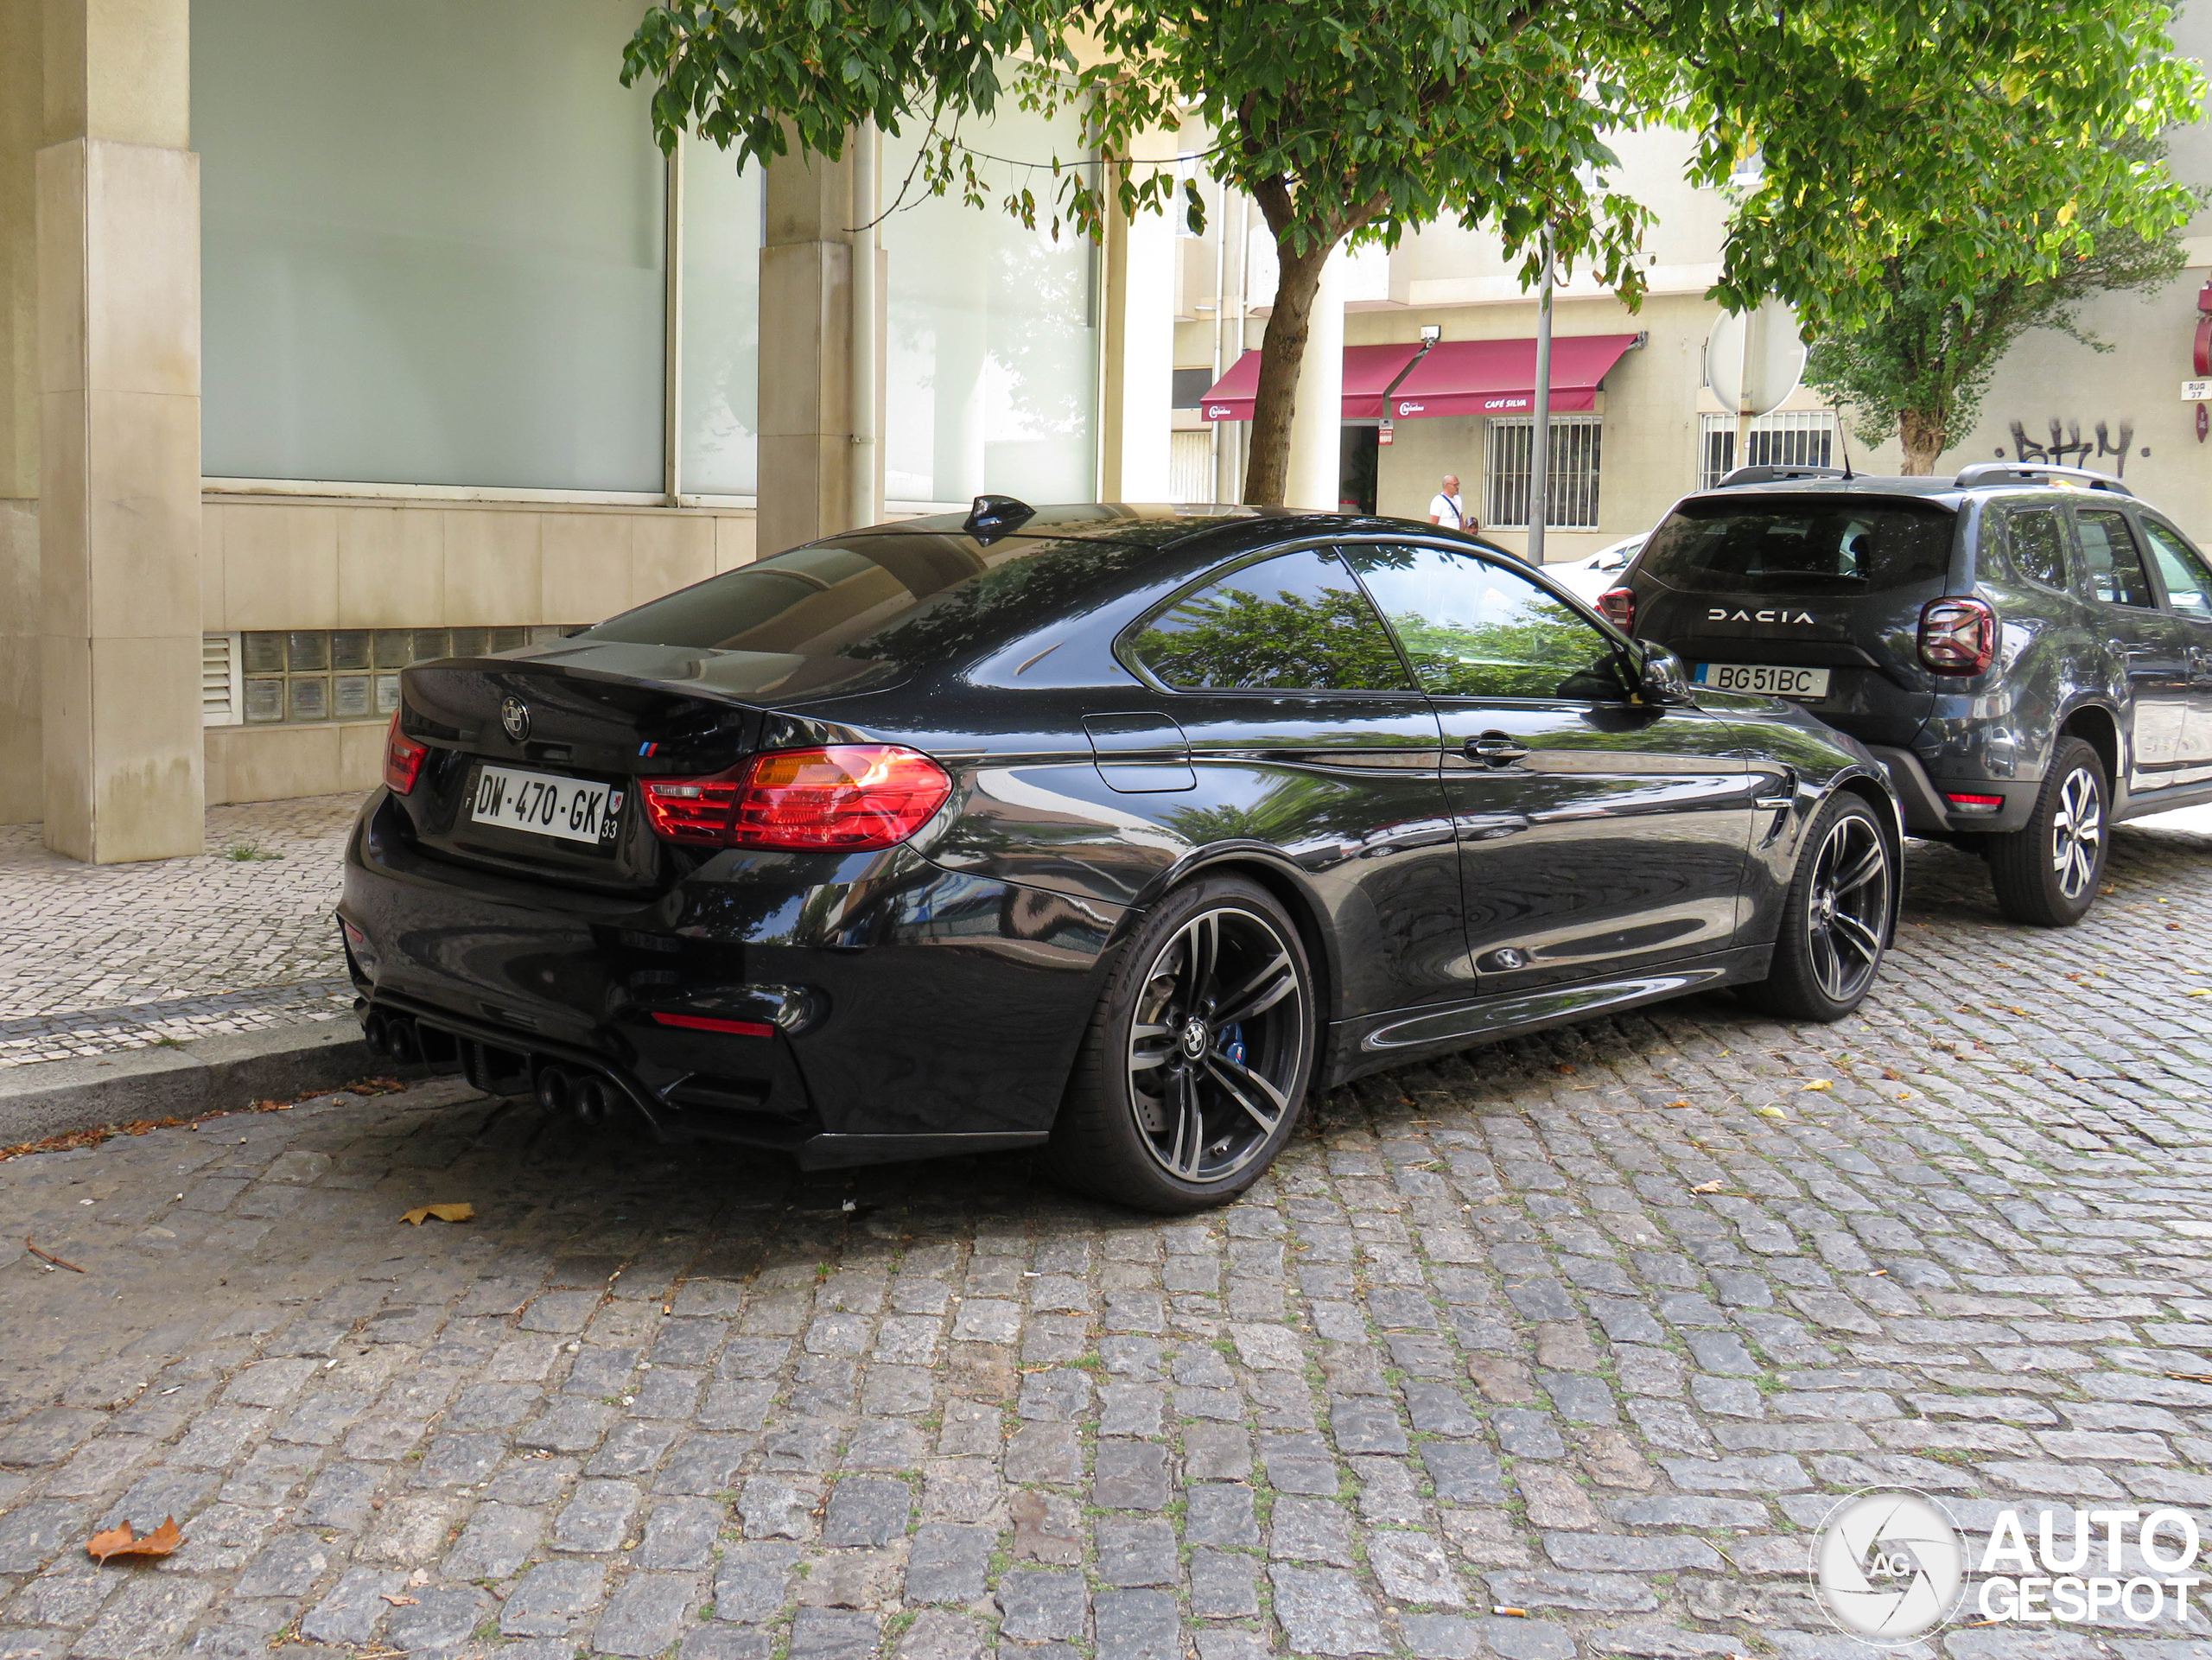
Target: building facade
(336,336)
(1653,431)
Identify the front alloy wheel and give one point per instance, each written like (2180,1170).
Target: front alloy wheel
(1217,1044)
(1848,912)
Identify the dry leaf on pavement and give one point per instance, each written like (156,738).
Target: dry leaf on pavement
(1707,1188)
(118,1541)
(443,1212)
(402,1602)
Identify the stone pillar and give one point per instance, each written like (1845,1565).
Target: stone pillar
(1137,402)
(118,283)
(1317,427)
(22,73)
(807,457)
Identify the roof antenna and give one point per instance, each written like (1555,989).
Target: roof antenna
(1842,440)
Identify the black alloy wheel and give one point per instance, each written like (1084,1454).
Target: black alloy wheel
(1835,923)
(1195,1069)
(2047,873)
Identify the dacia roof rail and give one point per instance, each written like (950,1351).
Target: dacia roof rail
(2080,478)
(1775,474)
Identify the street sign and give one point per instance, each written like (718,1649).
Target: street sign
(1752,361)
(2196,391)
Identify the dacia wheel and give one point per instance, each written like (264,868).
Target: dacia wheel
(2047,873)
(1196,1066)
(1835,923)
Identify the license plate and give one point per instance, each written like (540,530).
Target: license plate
(1764,677)
(546,804)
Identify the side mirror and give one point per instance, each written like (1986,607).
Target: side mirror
(1662,679)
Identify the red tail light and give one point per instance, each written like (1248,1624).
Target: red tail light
(848,797)
(402,760)
(1617,606)
(1957,636)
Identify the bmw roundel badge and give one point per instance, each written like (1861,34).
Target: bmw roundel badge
(514,716)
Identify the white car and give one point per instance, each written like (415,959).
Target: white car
(1589,577)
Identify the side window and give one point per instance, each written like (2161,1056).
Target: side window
(2188,588)
(1473,628)
(1297,622)
(2116,572)
(2039,546)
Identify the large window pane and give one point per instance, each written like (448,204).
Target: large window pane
(721,323)
(431,244)
(992,348)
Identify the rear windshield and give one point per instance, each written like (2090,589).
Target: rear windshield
(897,599)
(1817,544)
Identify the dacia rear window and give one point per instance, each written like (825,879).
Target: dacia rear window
(1799,544)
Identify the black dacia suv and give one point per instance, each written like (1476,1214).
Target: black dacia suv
(2027,650)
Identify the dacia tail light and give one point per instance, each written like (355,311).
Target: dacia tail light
(1957,636)
(853,798)
(1617,606)
(402,760)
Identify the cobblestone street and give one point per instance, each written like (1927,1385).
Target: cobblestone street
(1595,1327)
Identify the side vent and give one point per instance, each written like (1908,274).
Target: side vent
(222,681)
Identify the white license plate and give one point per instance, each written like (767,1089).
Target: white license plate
(1763,678)
(546,804)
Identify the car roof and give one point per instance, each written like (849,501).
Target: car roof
(1979,482)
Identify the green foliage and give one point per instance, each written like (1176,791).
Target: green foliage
(1231,638)
(1918,370)
(1886,129)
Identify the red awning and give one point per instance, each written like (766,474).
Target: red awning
(1369,370)
(1499,377)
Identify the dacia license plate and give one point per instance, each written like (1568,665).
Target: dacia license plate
(1767,678)
(546,804)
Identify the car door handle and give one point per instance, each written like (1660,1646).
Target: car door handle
(1495,749)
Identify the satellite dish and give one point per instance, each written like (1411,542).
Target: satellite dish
(1752,360)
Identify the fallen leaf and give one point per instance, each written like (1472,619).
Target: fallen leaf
(118,1541)
(1770,1112)
(2205,993)
(1821,1083)
(1564,1068)
(1677,1103)
(443,1212)
(1707,1188)
(397,1601)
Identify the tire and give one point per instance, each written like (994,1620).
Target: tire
(1835,923)
(1158,1050)
(2046,874)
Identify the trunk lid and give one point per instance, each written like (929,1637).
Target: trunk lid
(570,728)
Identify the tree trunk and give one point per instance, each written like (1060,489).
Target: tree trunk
(1924,434)
(1282,352)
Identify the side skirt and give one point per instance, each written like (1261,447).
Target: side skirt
(1401,1035)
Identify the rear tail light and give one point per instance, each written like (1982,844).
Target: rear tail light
(402,760)
(1617,606)
(846,797)
(1975,803)
(1957,636)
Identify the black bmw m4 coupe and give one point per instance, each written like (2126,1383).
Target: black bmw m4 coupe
(1111,830)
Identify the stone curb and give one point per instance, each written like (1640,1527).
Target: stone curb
(56,1097)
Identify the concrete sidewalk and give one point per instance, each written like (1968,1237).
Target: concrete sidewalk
(96,958)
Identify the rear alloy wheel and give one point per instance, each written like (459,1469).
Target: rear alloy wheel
(2046,873)
(1835,923)
(1196,1065)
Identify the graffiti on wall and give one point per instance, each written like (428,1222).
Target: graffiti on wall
(2068,447)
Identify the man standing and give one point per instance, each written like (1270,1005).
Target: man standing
(1445,508)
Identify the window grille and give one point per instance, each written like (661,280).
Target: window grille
(1786,438)
(1573,496)
(220,690)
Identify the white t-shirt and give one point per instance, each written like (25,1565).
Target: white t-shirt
(1448,510)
